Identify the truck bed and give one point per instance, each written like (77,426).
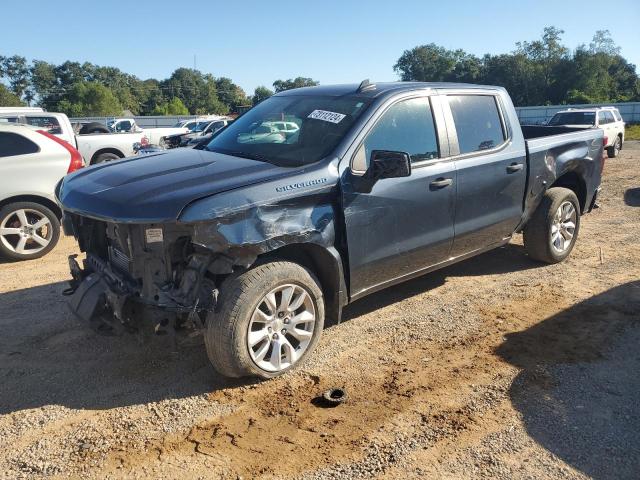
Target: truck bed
(552,151)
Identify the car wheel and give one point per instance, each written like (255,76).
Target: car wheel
(94,127)
(104,157)
(28,230)
(614,150)
(551,233)
(268,321)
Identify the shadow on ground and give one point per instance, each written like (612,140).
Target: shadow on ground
(579,386)
(509,258)
(632,197)
(49,357)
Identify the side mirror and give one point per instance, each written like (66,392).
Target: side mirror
(389,164)
(383,164)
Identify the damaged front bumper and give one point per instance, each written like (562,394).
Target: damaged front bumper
(111,304)
(132,281)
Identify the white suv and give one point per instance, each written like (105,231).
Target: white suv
(606,118)
(32,162)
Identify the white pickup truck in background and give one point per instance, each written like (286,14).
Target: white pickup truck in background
(94,148)
(155,136)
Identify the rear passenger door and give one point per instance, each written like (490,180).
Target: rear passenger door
(491,173)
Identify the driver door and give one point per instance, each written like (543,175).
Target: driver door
(404,225)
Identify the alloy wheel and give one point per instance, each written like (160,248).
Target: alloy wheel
(281,327)
(25,231)
(563,227)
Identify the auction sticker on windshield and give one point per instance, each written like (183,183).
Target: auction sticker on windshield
(326,116)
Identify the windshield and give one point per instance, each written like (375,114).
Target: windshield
(200,126)
(573,118)
(290,130)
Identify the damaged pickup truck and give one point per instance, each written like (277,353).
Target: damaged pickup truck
(259,238)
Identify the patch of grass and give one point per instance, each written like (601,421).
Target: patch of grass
(632,132)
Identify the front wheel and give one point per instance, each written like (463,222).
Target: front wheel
(268,320)
(551,233)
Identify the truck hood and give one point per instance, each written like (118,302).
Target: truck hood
(155,188)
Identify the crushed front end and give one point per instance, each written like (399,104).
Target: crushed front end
(141,278)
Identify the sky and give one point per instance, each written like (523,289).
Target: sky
(255,43)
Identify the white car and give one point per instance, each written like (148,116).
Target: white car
(154,135)
(606,118)
(264,133)
(32,162)
(94,147)
(191,124)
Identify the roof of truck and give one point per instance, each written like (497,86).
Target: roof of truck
(587,109)
(377,89)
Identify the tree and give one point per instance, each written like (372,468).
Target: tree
(16,70)
(9,99)
(298,82)
(603,43)
(230,94)
(90,99)
(427,63)
(149,95)
(172,107)
(259,94)
(197,91)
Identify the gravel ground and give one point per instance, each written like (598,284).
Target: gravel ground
(497,367)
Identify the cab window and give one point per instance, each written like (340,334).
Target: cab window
(50,124)
(477,121)
(406,127)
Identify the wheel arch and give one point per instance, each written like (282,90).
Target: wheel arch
(115,151)
(574,182)
(50,204)
(326,264)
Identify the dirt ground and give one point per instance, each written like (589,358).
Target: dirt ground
(497,367)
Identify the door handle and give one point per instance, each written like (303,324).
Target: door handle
(515,167)
(441,183)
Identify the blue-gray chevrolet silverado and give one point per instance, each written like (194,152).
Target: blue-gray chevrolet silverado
(312,199)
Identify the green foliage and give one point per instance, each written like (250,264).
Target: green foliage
(90,99)
(9,99)
(172,107)
(16,70)
(538,72)
(632,132)
(260,93)
(298,82)
(231,94)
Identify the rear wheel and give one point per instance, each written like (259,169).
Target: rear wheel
(268,321)
(551,233)
(94,127)
(104,157)
(614,150)
(28,230)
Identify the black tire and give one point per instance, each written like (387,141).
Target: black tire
(10,220)
(537,232)
(240,295)
(105,157)
(614,150)
(94,127)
